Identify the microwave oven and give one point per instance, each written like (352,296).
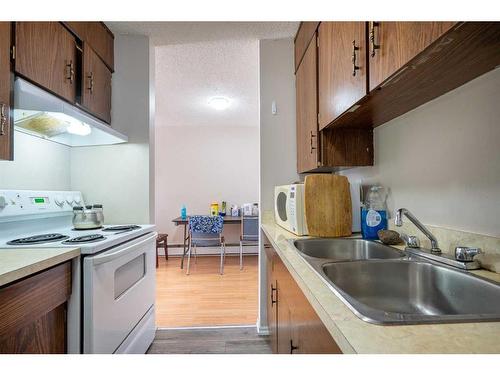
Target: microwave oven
(289,208)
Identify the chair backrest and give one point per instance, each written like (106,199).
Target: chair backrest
(205,230)
(250,228)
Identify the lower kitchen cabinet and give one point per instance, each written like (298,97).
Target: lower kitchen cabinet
(294,326)
(6,136)
(33,312)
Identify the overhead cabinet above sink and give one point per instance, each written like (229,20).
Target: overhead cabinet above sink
(355,76)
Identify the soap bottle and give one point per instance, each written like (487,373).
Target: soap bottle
(183,212)
(373,214)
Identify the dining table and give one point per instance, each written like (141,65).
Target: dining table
(185,221)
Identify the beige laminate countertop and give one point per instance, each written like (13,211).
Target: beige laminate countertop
(353,335)
(18,263)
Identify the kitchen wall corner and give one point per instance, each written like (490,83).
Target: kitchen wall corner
(277,136)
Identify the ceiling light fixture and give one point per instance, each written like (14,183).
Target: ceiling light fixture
(79,128)
(219,103)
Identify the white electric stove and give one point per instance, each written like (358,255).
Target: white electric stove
(111,309)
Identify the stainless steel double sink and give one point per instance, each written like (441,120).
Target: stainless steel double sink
(383,285)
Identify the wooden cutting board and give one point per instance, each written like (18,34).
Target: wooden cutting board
(328,208)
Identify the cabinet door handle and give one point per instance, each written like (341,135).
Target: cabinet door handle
(70,71)
(91,82)
(312,136)
(273,300)
(3,118)
(373,44)
(353,58)
(292,347)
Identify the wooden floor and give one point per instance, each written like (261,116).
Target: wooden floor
(206,298)
(236,340)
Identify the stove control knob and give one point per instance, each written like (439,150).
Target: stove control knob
(59,201)
(3,202)
(77,199)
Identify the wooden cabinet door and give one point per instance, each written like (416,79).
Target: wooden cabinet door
(46,55)
(341,68)
(306,32)
(272,311)
(6,132)
(98,36)
(307,111)
(393,44)
(285,341)
(96,85)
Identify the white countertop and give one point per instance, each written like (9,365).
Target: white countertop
(18,263)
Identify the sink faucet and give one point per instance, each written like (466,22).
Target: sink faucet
(399,222)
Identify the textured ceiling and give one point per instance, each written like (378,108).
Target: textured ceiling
(165,33)
(188,75)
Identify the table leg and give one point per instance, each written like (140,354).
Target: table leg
(184,248)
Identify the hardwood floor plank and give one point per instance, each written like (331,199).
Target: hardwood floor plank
(206,298)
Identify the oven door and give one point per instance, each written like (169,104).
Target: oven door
(118,290)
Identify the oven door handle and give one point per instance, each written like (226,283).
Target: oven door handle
(108,257)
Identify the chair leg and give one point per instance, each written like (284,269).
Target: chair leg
(189,259)
(222,259)
(156,256)
(241,255)
(165,242)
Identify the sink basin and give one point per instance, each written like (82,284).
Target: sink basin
(409,292)
(345,249)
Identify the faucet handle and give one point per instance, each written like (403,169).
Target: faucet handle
(466,254)
(411,241)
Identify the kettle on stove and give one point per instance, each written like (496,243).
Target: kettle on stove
(88,217)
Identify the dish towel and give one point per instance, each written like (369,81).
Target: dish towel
(490,262)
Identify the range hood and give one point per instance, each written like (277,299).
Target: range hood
(39,113)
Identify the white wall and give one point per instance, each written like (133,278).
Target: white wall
(277,136)
(38,165)
(198,165)
(278,139)
(118,176)
(442,160)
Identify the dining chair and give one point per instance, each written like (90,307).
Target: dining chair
(249,233)
(206,231)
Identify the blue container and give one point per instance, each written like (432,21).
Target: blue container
(371,222)
(183,212)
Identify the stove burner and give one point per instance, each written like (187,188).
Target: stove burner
(41,238)
(85,239)
(123,228)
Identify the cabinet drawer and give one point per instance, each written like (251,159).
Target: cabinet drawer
(26,301)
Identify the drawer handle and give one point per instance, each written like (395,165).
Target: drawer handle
(353,58)
(273,300)
(70,71)
(91,82)
(374,45)
(3,118)
(292,347)
(312,147)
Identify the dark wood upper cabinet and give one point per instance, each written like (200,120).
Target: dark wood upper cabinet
(97,35)
(342,69)
(393,44)
(307,110)
(96,85)
(307,30)
(46,55)
(6,131)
